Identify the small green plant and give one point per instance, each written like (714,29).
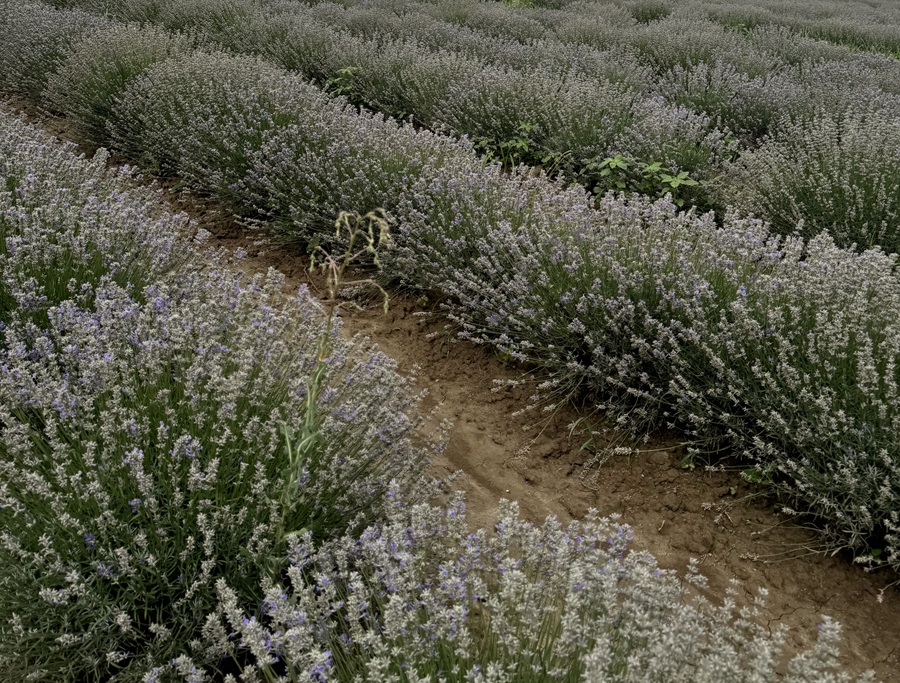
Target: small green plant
(676,181)
(632,175)
(614,168)
(343,83)
(759,476)
(363,235)
(521,148)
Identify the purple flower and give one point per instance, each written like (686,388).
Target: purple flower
(320,670)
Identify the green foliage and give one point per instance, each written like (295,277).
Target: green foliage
(759,476)
(522,148)
(342,84)
(649,178)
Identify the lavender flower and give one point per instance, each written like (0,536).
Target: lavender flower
(537,603)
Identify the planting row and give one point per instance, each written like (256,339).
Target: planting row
(858,25)
(679,105)
(145,530)
(854,24)
(781,350)
(143,403)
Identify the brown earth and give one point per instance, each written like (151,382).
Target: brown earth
(677,513)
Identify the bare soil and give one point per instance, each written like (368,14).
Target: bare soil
(677,513)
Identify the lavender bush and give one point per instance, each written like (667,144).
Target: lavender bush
(679,138)
(36,40)
(526,116)
(400,78)
(142,450)
(497,106)
(493,18)
(210,18)
(687,38)
(654,311)
(834,173)
(333,156)
(65,223)
(175,119)
(432,63)
(271,143)
(421,598)
(795,49)
(606,29)
(748,107)
(874,88)
(293,41)
(860,32)
(645,11)
(90,80)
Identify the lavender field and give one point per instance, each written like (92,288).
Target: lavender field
(684,215)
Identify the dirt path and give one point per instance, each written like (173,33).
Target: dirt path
(677,514)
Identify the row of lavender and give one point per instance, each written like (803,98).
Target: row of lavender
(862,24)
(676,102)
(780,350)
(143,401)
(143,531)
(865,25)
